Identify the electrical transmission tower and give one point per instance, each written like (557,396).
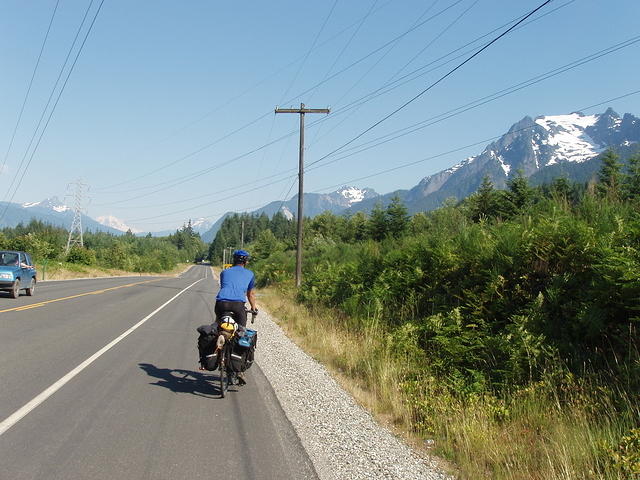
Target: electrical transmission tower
(75,232)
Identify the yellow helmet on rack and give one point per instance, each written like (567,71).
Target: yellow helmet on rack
(228,324)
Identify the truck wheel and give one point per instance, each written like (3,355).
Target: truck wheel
(15,290)
(32,288)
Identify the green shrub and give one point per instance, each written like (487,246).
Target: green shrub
(81,255)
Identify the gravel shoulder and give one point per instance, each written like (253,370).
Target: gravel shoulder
(341,438)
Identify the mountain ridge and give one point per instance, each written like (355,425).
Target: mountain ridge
(567,144)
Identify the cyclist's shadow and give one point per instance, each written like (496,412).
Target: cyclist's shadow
(184,381)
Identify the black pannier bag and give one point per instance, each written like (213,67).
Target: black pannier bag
(243,350)
(207,346)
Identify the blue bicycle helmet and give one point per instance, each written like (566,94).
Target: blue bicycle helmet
(240,256)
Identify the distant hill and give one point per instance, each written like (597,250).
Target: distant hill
(51,211)
(314,204)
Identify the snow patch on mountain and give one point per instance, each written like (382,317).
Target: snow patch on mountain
(458,166)
(52,203)
(505,166)
(201,225)
(352,194)
(287,213)
(114,222)
(567,134)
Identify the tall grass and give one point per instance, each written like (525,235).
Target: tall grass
(558,428)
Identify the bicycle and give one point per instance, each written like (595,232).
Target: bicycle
(227,332)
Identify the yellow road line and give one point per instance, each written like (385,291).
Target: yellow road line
(95,292)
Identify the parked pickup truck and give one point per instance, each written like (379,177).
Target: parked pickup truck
(17,273)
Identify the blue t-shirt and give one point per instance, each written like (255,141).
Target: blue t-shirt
(234,283)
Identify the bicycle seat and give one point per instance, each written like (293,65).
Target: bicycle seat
(227,314)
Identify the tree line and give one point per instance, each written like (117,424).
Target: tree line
(124,252)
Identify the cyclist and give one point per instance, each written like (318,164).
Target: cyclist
(236,287)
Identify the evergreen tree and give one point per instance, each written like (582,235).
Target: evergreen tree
(561,188)
(483,203)
(632,180)
(378,225)
(610,176)
(356,228)
(397,217)
(520,193)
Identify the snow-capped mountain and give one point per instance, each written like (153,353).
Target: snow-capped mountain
(51,211)
(52,203)
(540,148)
(314,204)
(567,139)
(201,225)
(114,222)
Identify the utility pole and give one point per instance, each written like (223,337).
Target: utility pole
(242,236)
(75,233)
(300,111)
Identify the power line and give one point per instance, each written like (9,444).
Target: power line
(189,155)
(44,110)
(353,35)
(481,142)
(411,76)
(432,120)
(482,101)
(376,63)
(382,172)
(26,96)
(404,165)
(273,74)
(236,194)
(449,73)
(33,152)
(461,109)
(345,47)
(458,149)
(203,171)
(389,81)
(246,125)
(337,112)
(353,64)
(306,57)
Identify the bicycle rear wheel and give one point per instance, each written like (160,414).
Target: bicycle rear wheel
(224,379)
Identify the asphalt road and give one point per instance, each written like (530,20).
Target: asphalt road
(140,409)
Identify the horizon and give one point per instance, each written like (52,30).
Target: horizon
(116,223)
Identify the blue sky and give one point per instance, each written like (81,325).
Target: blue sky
(191,86)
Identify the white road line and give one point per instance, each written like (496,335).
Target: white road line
(27,408)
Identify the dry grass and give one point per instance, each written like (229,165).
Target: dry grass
(532,435)
(357,359)
(68,271)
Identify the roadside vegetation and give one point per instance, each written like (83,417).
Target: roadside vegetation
(500,331)
(103,253)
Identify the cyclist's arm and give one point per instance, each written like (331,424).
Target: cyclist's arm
(251,296)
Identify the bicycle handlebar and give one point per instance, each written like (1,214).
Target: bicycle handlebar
(254,314)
